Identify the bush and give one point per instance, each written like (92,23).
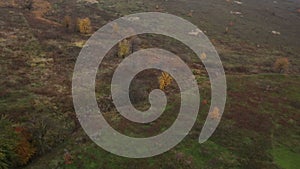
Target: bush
(15,149)
(9,141)
(281,65)
(24,148)
(84,25)
(40,130)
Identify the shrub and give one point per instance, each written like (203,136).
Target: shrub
(281,65)
(24,148)
(164,80)
(124,48)
(9,141)
(84,25)
(40,130)
(15,149)
(68,158)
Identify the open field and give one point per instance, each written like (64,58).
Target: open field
(261,121)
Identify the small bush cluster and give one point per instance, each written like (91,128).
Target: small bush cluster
(77,24)
(9,141)
(15,148)
(24,149)
(281,65)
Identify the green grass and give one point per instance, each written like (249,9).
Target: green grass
(232,146)
(286,158)
(229,147)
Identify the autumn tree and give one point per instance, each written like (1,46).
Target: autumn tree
(84,25)
(124,48)
(281,65)
(164,80)
(67,22)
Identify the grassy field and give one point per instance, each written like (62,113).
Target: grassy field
(260,125)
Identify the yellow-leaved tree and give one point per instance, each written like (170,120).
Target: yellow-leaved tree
(84,25)
(124,48)
(164,80)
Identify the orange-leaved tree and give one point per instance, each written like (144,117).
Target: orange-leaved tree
(281,65)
